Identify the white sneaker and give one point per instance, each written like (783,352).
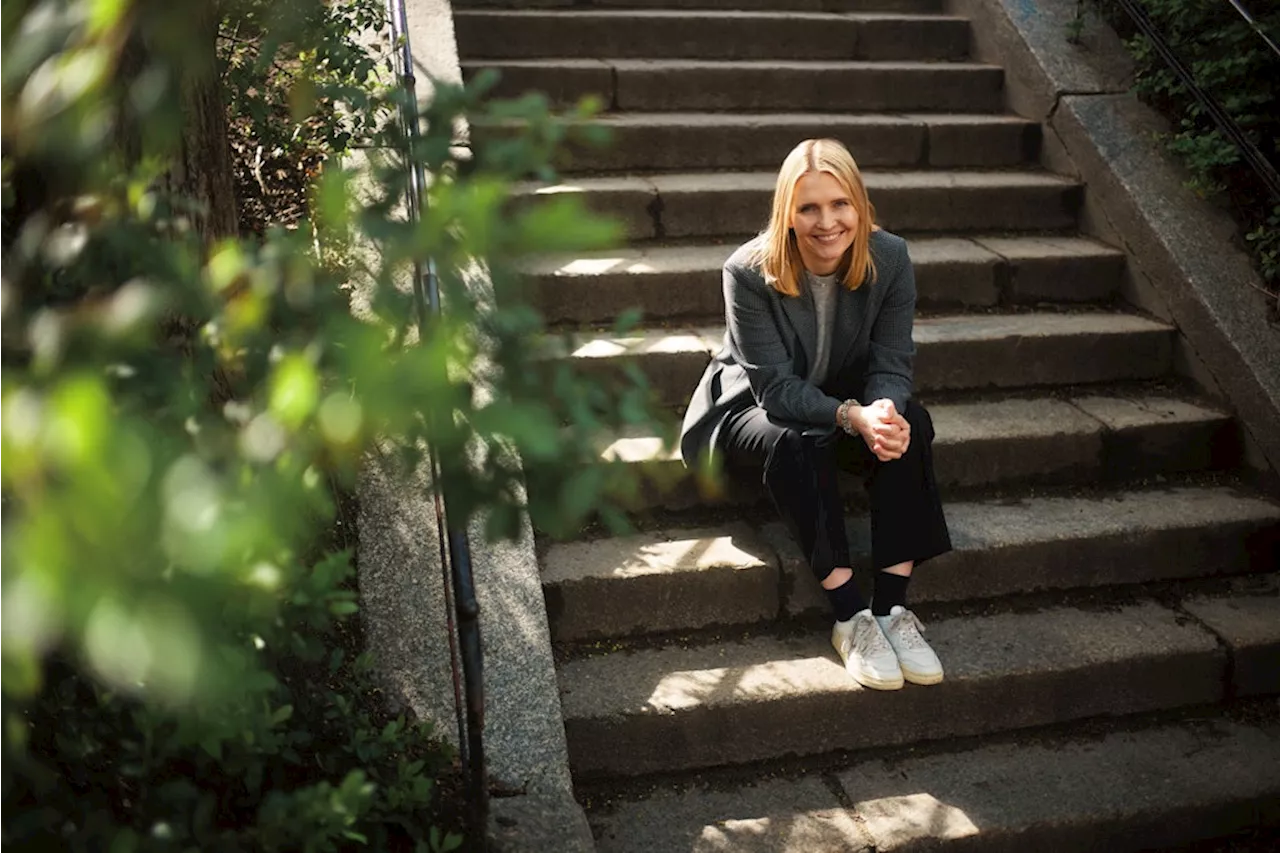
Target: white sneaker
(866,654)
(919,662)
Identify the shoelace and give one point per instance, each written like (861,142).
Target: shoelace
(867,637)
(908,627)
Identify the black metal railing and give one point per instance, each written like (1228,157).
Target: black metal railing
(1226,124)
(462,611)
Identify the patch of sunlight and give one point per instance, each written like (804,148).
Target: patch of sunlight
(731,834)
(684,342)
(601,348)
(658,557)
(558,188)
(783,832)
(678,343)
(758,681)
(598,266)
(686,689)
(637,450)
(899,820)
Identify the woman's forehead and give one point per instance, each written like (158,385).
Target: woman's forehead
(818,186)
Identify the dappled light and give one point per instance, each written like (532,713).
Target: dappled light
(662,557)
(638,450)
(899,820)
(638,345)
(764,680)
(597,266)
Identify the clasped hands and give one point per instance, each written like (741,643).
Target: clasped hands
(886,432)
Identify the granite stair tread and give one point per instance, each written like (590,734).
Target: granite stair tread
(826,85)
(1166,784)
(684,282)
(953,351)
(720,204)
(682,579)
(709,33)
(697,705)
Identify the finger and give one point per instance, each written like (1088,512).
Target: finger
(892,449)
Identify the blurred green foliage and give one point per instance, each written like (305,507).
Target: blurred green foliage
(181,665)
(1232,62)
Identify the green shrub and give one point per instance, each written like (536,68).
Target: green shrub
(1233,63)
(181,657)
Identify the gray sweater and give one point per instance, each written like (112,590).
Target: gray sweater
(822,290)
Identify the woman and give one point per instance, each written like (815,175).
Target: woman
(818,351)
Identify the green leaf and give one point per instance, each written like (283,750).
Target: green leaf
(295,389)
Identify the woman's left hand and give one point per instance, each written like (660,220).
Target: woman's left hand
(893,438)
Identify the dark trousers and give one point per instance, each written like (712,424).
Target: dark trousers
(799,472)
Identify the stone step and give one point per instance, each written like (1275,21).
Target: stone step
(703,34)
(684,579)
(677,708)
(1002,548)
(730,5)
(1249,625)
(729,204)
(674,283)
(745,85)
(1154,787)
(1076,439)
(651,142)
(965,351)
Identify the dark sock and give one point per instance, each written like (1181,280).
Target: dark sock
(846,601)
(890,589)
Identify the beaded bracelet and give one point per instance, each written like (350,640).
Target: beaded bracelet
(842,416)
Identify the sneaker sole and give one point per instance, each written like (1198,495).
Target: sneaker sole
(875,683)
(921,678)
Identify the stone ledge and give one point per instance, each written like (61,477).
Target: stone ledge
(537,824)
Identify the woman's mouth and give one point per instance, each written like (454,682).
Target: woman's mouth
(827,239)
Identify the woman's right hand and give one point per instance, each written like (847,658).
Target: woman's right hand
(886,433)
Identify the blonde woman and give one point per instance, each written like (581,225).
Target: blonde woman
(817,351)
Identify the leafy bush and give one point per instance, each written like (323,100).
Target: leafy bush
(181,665)
(1232,62)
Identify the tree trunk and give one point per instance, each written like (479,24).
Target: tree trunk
(203,173)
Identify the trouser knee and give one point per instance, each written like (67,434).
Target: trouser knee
(920,420)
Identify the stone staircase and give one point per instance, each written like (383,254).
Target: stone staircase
(1112,603)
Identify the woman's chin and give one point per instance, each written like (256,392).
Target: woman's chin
(824,260)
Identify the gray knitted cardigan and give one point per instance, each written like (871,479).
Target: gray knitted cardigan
(770,338)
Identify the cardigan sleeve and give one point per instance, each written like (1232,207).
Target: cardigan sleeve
(758,348)
(891,358)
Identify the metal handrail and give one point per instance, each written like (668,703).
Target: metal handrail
(455,552)
(1244,13)
(1225,122)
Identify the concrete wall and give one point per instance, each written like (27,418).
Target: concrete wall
(403,605)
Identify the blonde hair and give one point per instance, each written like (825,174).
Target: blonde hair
(776,251)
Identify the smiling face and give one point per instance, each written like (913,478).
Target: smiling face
(824,221)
